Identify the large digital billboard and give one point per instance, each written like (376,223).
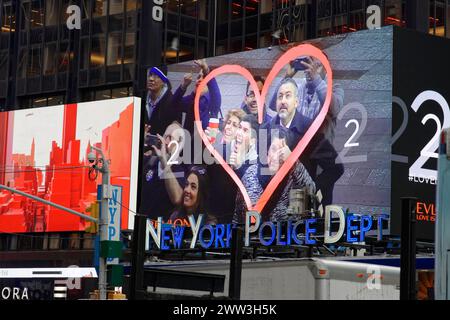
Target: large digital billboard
(43,152)
(257,130)
(420,112)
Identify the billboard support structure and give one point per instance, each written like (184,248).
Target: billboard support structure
(138,257)
(408,250)
(237,244)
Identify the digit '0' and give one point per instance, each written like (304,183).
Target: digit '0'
(157,13)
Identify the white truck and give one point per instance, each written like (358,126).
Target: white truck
(300,279)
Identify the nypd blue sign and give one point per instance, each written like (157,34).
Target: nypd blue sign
(333,228)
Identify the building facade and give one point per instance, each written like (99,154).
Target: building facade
(43,62)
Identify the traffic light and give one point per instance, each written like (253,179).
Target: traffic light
(94,209)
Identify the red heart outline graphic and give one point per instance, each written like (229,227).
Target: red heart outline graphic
(292,54)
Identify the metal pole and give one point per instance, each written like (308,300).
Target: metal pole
(237,243)
(57,206)
(103,225)
(408,250)
(137,257)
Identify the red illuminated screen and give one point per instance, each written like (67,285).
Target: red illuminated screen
(43,152)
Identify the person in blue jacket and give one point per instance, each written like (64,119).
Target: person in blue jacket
(210,100)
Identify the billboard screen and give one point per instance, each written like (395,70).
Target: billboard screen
(420,112)
(43,152)
(264,124)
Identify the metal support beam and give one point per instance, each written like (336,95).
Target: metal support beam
(408,250)
(137,257)
(237,243)
(417,15)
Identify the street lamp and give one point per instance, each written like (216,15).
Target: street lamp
(103,219)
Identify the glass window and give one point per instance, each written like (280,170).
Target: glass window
(37,14)
(98,51)
(25,15)
(222,32)
(188,25)
(120,93)
(4,40)
(172,21)
(202,49)
(63,10)
(99,8)
(356,5)
(324,27)
(187,48)
(223,7)
(431,20)
(114,49)
(393,12)
(34,62)
(340,24)
(8,18)
(103,94)
(339,6)
(130,44)
(50,59)
(131,5)
(64,57)
(440,20)
(251,8)
(236,28)
(324,8)
(22,63)
(236,45)
(86,10)
(131,21)
(55,101)
(299,33)
(116,22)
(448,20)
(172,5)
(203,9)
(266,6)
(356,21)
(237,9)
(99,25)
(189,7)
(251,25)
(265,40)
(51,13)
(251,42)
(84,53)
(203,28)
(115,7)
(266,21)
(39,102)
(171,53)
(3,64)
(221,48)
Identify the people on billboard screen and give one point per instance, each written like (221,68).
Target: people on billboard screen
(254,151)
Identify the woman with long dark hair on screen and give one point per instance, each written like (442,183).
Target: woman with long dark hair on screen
(195,197)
